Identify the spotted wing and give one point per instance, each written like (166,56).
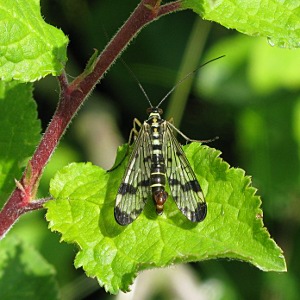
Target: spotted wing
(135,186)
(184,186)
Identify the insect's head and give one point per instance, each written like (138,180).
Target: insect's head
(154,110)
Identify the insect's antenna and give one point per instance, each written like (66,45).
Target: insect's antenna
(184,78)
(137,81)
(130,71)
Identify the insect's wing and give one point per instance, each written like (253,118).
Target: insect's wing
(184,186)
(134,189)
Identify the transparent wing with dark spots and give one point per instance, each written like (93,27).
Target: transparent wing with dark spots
(184,186)
(134,189)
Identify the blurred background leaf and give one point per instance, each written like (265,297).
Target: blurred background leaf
(24,273)
(19,133)
(250,99)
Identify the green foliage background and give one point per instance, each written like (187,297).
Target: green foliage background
(250,99)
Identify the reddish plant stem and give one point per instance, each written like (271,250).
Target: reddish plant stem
(72,97)
(169,8)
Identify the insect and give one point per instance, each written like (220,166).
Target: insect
(157,157)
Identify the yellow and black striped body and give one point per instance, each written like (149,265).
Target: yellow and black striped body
(158,167)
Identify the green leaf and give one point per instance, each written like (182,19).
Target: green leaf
(24,274)
(277,20)
(83,213)
(19,133)
(30,48)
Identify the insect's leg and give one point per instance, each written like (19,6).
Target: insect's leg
(134,131)
(187,138)
(133,134)
(171,120)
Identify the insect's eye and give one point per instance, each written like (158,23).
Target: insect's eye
(149,110)
(160,111)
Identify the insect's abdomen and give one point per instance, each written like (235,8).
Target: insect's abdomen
(158,169)
(157,184)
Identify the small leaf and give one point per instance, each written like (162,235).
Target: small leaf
(276,20)
(30,48)
(19,133)
(83,213)
(24,273)
(91,63)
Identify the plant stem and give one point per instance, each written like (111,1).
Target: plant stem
(72,96)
